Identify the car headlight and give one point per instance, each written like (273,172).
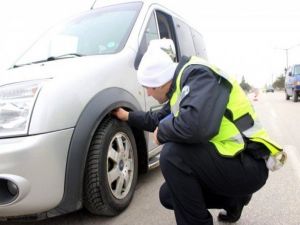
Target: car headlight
(16,105)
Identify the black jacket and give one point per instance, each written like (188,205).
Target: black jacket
(201,110)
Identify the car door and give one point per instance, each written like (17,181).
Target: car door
(159,25)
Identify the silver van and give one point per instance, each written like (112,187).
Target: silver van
(60,148)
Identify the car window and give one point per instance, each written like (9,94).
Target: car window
(151,31)
(166,28)
(159,26)
(185,40)
(101,31)
(297,70)
(199,44)
(163,24)
(149,34)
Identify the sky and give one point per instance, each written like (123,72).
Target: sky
(247,38)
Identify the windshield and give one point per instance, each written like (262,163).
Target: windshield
(101,31)
(297,70)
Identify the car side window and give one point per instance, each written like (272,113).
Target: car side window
(185,40)
(199,44)
(160,25)
(151,31)
(296,70)
(166,28)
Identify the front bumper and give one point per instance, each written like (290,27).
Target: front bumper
(36,166)
(297,88)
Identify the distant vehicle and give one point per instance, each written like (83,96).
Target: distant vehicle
(270,89)
(292,82)
(60,149)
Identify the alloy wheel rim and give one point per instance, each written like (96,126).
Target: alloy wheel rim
(120,165)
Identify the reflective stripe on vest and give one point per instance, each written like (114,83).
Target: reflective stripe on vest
(229,141)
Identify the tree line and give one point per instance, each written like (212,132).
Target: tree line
(277,84)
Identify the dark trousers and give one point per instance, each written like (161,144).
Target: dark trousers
(198,178)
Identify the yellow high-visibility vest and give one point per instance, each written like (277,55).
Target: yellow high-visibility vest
(229,141)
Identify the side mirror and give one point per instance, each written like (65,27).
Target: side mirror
(290,74)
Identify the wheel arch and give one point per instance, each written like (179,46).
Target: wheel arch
(90,119)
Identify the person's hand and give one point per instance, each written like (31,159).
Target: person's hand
(121,114)
(155,136)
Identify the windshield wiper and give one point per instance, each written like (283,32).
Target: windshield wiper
(68,55)
(30,63)
(51,58)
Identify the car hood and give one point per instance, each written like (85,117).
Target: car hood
(65,68)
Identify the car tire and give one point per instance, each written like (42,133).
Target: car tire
(295,96)
(287,97)
(111,169)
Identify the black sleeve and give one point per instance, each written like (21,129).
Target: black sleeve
(148,120)
(200,110)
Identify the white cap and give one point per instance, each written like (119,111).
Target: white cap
(157,67)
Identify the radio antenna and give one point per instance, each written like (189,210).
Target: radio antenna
(93,5)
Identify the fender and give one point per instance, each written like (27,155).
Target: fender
(95,111)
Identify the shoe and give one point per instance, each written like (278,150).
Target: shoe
(233,214)
(230,216)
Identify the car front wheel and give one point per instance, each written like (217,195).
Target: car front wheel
(295,96)
(111,169)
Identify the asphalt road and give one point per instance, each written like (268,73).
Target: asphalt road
(277,203)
